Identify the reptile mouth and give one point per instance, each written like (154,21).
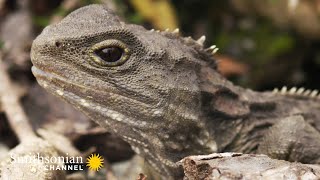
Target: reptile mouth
(44,78)
(61,86)
(51,82)
(40,74)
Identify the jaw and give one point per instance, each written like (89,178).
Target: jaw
(112,120)
(96,102)
(144,132)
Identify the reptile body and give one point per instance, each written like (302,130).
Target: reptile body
(162,93)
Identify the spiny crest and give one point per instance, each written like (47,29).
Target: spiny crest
(298,92)
(198,45)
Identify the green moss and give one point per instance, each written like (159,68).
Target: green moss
(1,44)
(267,42)
(90,1)
(135,18)
(41,21)
(223,40)
(60,12)
(280,44)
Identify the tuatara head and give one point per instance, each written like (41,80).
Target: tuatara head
(143,85)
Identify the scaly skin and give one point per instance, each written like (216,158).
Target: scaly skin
(164,95)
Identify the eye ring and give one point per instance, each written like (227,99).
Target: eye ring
(109,53)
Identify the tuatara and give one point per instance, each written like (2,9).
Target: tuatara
(162,93)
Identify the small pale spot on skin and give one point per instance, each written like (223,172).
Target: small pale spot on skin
(116,116)
(98,107)
(59,92)
(45,85)
(146,150)
(144,123)
(200,141)
(84,102)
(206,133)
(157,112)
(135,149)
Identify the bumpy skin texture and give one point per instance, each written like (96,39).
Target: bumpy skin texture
(166,98)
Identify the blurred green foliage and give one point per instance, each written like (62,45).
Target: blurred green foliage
(1,44)
(41,21)
(160,13)
(262,42)
(249,39)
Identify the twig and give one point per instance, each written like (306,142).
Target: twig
(30,145)
(10,104)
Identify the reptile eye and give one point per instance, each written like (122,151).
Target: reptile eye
(109,53)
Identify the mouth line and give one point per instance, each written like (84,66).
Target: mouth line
(50,77)
(52,80)
(77,100)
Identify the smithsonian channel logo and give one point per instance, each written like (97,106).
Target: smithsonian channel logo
(94,162)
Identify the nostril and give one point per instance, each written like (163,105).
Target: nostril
(58,44)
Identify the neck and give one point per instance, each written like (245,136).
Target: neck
(228,107)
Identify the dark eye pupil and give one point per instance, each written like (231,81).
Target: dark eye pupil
(110,54)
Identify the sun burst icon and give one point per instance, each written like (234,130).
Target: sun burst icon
(95,162)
